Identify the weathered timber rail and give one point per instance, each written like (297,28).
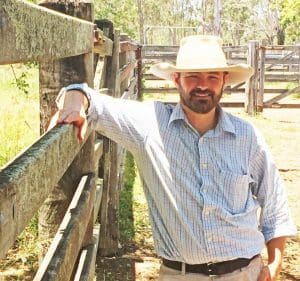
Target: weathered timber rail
(272,64)
(88,174)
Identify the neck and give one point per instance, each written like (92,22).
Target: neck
(202,122)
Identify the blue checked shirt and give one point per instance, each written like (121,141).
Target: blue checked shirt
(203,192)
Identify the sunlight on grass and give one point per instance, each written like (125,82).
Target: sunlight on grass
(19,113)
(20,128)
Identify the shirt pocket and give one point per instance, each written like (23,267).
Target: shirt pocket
(235,190)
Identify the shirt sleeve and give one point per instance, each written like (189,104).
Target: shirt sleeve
(275,217)
(126,122)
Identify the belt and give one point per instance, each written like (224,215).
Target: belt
(218,268)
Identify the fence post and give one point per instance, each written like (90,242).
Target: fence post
(108,217)
(260,98)
(139,72)
(53,76)
(251,85)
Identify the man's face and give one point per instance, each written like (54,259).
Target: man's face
(200,91)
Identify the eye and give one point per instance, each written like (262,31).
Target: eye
(213,77)
(191,76)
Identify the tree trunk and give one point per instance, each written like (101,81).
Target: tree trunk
(141,20)
(280,36)
(217,18)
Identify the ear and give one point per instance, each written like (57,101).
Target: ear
(175,78)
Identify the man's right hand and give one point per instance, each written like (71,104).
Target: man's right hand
(73,112)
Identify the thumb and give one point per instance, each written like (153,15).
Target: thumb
(53,121)
(82,130)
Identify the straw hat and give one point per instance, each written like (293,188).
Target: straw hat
(202,53)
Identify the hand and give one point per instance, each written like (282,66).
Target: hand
(73,112)
(268,273)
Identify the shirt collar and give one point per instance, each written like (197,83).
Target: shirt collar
(224,123)
(177,114)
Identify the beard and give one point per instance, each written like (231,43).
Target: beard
(199,104)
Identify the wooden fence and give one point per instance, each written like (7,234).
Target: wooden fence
(77,183)
(274,64)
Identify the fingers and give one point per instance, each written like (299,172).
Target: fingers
(82,130)
(265,274)
(78,118)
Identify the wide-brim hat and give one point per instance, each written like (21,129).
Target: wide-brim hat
(203,53)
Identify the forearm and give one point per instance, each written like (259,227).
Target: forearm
(275,249)
(74,99)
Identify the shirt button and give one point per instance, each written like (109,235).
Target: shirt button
(204,165)
(206,213)
(209,239)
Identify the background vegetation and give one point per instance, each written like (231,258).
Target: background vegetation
(277,21)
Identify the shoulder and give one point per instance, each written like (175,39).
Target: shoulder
(242,126)
(246,129)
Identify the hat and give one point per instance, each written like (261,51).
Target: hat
(203,53)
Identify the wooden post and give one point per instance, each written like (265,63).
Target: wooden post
(53,76)
(109,231)
(260,98)
(251,85)
(139,72)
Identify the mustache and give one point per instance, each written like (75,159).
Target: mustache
(199,91)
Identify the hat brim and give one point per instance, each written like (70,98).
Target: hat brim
(236,73)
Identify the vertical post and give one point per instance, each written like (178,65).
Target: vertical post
(260,98)
(139,72)
(251,85)
(109,231)
(53,76)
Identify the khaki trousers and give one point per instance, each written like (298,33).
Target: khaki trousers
(248,273)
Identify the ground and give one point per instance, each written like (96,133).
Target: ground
(281,128)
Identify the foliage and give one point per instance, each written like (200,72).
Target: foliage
(19,111)
(123,14)
(290,18)
(20,127)
(126,200)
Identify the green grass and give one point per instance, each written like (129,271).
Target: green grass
(19,113)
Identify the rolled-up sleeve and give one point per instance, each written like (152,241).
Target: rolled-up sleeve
(275,218)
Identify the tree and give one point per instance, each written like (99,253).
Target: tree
(123,14)
(289,17)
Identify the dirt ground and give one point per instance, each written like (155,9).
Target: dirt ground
(138,262)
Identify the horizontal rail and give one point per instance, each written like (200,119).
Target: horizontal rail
(27,181)
(282,96)
(127,46)
(87,259)
(272,77)
(126,69)
(62,254)
(242,105)
(30,32)
(233,90)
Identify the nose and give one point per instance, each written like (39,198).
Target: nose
(202,84)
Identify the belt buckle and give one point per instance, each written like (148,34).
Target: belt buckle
(209,266)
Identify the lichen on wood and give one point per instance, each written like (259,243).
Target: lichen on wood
(43,34)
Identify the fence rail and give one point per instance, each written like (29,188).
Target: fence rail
(87,173)
(271,63)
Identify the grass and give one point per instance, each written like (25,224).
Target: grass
(133,220)
(19,113)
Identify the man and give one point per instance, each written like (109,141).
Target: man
(205,172)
